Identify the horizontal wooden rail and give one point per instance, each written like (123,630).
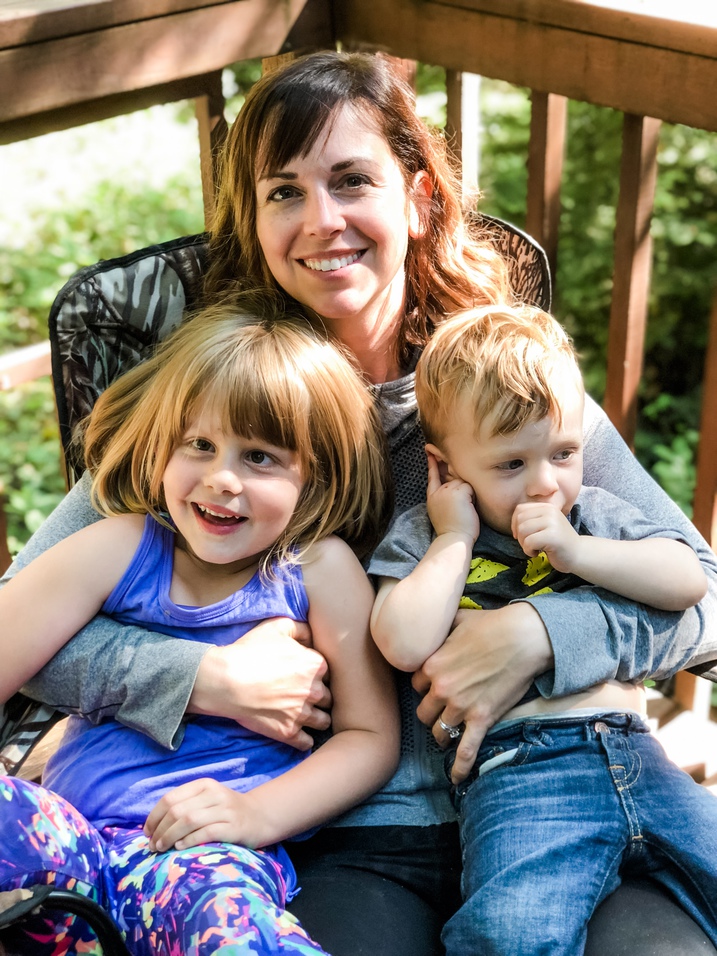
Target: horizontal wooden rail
(24,365)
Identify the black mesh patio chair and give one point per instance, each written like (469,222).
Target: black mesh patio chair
(106,319)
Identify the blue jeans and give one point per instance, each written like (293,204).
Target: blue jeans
(562,810)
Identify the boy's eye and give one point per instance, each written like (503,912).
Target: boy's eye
(565,454)
(511,465)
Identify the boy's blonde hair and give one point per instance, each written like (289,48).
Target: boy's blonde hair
(269,376)
(513,363)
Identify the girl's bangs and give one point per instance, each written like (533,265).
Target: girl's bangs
(247,405)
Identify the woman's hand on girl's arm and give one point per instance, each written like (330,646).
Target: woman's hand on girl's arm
(268,681)
(486,664)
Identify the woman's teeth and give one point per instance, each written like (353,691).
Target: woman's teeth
(330,265)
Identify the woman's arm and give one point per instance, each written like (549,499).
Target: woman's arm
(148,680)
(44,605)
(359,757)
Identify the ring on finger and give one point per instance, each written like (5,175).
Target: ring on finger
(453,732)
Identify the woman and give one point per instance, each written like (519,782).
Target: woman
(333,191)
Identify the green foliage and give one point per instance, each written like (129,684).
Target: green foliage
(684,232)
(111,220)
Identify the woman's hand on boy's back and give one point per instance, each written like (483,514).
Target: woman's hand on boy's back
(483,668)
(268,681)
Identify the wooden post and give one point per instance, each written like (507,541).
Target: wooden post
(5,556)
(209,109)
(631,274)
(548,123)
(463,127)
(704,513)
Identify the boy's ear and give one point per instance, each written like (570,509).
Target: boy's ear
(444,469)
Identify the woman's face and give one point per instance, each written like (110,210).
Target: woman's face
(334,226)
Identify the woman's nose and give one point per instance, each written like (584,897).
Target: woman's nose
(323,215)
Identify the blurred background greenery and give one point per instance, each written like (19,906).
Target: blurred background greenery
(74,198)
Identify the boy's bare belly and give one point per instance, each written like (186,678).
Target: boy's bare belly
(612,695)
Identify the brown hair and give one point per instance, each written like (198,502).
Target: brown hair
(515,364)
(447,268)
(270,376)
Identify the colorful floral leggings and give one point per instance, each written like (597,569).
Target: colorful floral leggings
(182,903)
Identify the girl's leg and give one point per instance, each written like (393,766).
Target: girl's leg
(201,900)
(46,841)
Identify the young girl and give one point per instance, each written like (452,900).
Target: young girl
(231,464)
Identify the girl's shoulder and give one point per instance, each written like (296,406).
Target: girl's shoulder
(330,559)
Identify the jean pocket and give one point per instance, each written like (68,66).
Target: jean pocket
(489,759)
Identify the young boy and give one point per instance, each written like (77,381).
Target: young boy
(565,795)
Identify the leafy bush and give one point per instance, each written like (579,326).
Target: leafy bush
(111,220)
(120,215)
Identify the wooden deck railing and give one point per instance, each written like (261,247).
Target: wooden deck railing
(71,62)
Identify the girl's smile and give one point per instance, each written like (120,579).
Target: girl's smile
(229,497)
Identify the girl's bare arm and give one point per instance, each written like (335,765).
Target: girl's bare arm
(354,763)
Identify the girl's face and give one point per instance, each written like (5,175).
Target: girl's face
(334,226)
(230,497)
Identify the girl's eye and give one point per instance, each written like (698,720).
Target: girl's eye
(511,465)
(201,444)
(258,457)
(565,454)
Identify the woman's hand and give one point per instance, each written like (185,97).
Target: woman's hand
(486,664)
(204,811)
(268,681)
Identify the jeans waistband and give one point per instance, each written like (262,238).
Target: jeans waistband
(587,726)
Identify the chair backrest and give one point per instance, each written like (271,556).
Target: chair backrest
(109,316)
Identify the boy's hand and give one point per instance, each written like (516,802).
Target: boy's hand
(203,811)
(538,526)
(449,502)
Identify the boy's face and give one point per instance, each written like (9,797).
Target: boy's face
(540,462)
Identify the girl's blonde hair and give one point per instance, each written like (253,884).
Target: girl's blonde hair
(270,376)
(447,268)
(515,364)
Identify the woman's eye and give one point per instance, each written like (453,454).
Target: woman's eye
(281,193)
(355,180)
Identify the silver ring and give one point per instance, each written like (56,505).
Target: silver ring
(452,732)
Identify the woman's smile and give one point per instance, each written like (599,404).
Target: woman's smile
(334,226)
